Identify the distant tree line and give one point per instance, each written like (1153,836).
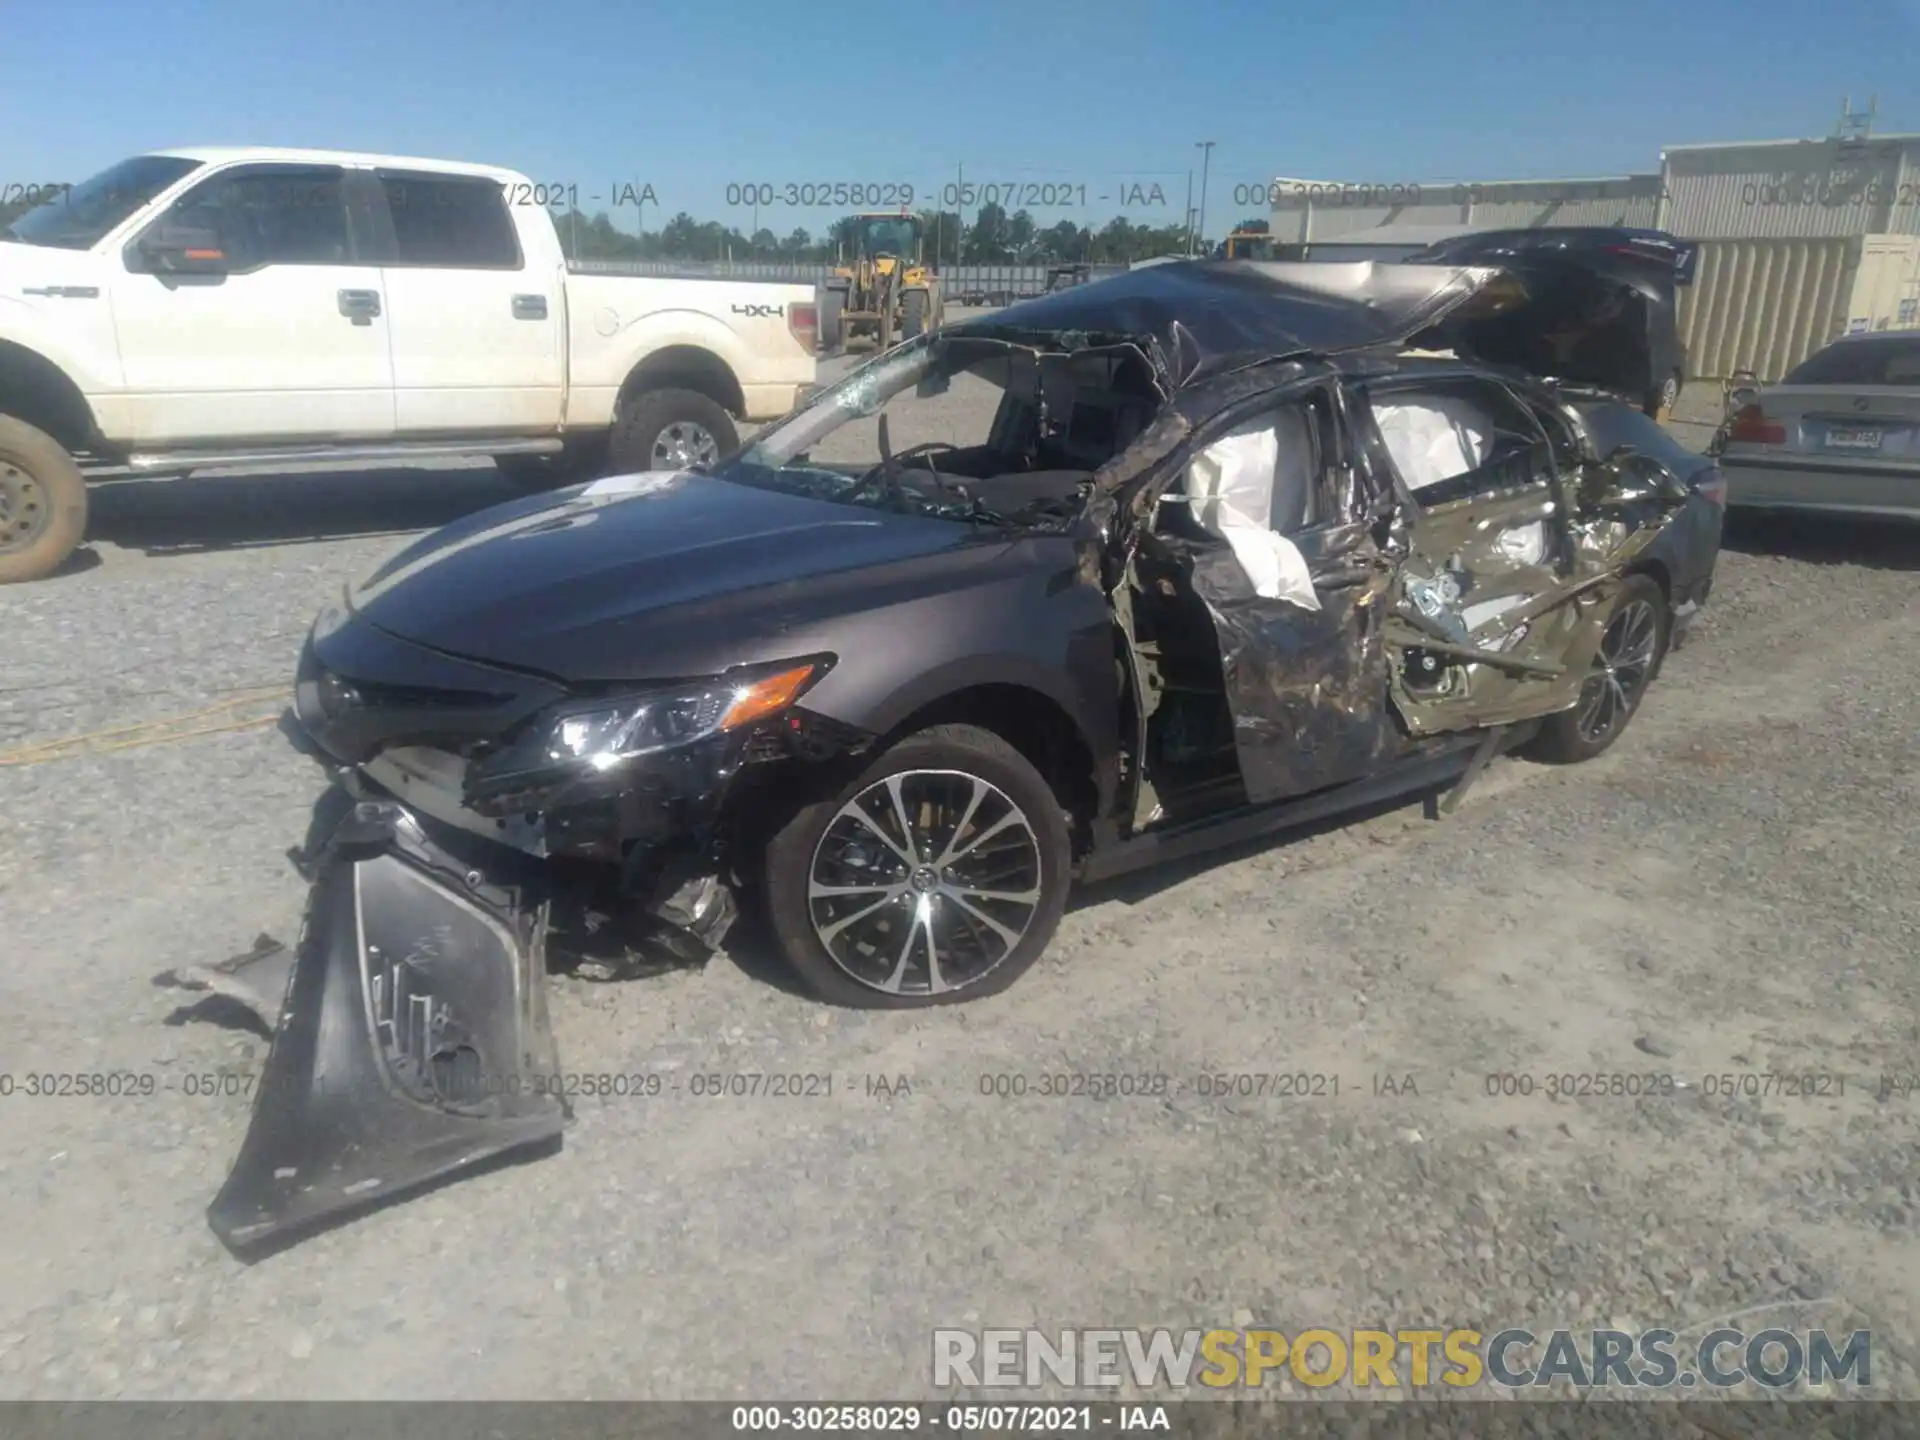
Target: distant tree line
(990,237)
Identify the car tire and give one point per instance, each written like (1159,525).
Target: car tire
(43,503)
(1574,734)
(913,320)
(1660,402)
(847,949)
(656,423)
(833,304)
(535,473)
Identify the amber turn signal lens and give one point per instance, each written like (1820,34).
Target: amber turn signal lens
(766,697)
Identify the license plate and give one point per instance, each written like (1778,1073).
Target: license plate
(1853,439)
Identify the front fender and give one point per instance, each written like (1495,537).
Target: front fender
(89,369)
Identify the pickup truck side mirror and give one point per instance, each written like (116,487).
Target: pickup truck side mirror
(184,244)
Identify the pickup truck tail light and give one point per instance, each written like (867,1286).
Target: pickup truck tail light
(1752,427)
(804,321)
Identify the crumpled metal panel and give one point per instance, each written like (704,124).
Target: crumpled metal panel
(1524,659)
(1200,318)
(412,1046)
(1307,688)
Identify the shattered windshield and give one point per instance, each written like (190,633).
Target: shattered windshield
(76,218)
(961,428)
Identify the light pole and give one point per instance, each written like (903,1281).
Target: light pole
(1205,147)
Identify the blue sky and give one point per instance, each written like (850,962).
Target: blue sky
(693,97)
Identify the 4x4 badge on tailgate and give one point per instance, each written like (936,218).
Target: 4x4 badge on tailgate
(760,312)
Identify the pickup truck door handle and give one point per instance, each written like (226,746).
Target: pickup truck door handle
(359,305)
(529,307)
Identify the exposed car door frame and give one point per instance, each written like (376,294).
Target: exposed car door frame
(1263,642)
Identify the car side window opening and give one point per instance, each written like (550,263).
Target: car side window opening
(278,216)
(1260,484)
(1453,440)
(451,222)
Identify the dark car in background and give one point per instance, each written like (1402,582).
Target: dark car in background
(1614,289)
(1119,574)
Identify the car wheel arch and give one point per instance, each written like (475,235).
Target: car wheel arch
(1039,709)
(1034,723)
(36,390)
(685,367)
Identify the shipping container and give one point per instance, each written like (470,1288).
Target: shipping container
(1765,305)
(1310,210)
(1791,189)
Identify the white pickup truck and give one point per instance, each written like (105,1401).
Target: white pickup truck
(194,308)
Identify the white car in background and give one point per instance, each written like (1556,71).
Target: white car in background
(192,308)
(1839,434)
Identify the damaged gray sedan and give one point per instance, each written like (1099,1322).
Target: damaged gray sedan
(1144,567)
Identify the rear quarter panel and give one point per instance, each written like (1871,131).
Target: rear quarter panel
(614,322)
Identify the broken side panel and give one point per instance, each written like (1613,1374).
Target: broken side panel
(1306,688)
(413,1044)
(1501,607)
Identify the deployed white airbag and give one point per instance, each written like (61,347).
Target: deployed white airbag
(1432,438)
(1230,488)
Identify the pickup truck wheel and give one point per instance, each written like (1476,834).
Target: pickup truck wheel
(914,321)
(833,304)
(936,875)
(43,503)
(670,430)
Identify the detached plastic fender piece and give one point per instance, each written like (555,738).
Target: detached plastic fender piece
(413,1045)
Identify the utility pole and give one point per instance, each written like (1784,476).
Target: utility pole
(1205,147)
(1189,212)
(960,215)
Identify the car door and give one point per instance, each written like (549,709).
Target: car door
(476,324)
(286,342)
(1279,546)
(1501,598)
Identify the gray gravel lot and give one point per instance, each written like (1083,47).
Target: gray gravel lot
(1730,890)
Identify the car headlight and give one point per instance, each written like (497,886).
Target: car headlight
(606,735)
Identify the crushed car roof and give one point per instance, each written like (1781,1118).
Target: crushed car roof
(1207,316)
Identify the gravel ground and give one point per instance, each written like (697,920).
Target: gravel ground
(1728,890)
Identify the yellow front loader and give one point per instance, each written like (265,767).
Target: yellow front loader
(887,292)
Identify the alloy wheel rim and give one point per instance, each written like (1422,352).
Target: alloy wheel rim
(1619,671)
(924,882)
(24,512)
(682,445)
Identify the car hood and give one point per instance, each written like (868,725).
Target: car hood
(662,575)
(1198,319)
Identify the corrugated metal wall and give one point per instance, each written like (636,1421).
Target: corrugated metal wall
(1886,285)
(1324,210)
(1793,190)
(1765,305)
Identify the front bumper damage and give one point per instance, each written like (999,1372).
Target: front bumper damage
(412,1043)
